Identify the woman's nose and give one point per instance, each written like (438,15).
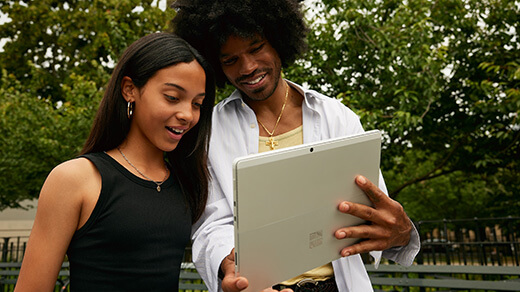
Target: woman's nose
(185,112)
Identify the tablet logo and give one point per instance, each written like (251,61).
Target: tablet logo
(315,239)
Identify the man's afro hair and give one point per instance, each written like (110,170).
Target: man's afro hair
(207,24)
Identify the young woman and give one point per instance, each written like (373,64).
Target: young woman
(122,211)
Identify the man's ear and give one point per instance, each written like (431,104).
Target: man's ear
(128,89)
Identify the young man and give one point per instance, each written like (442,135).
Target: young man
(248,43)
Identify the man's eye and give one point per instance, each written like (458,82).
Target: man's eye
(257,48)
(229,61)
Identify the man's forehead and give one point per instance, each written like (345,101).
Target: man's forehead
(244,41)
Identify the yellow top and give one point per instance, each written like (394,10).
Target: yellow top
(292,138)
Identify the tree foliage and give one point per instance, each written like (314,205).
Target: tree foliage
(58,58)
(36,135)
(60,38)
(441,80)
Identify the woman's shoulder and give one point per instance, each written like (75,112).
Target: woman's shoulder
(67,187)
(78,172)
(75,166)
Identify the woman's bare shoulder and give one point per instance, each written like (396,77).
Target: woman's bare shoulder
(75,174)
(77,167)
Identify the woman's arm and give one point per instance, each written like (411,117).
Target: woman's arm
(61,211)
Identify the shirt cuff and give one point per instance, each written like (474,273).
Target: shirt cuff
(405,255)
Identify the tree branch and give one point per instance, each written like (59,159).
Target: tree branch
(429,175)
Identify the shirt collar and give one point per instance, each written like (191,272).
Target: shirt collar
(235,96)
(309,96)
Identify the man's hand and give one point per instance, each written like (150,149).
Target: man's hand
(389,225)
(230,283)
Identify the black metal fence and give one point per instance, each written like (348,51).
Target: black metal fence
(12,248)
(477,241)
(465,242)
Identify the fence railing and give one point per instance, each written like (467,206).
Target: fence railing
(477,241)
(458,242)
(12,248)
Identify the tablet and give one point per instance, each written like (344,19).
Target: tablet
(286,205)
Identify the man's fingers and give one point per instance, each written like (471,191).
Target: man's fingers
(388,225)
(362,232)
(359,210)
(363,246)
(371,190)
(241,283)
(232,284)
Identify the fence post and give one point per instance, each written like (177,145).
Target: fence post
(512,239)
(495,252)
(481,251)
(5,249)
(446,243)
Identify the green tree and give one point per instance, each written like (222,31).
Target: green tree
(36,135)
(58,38)
(58,59)
(439,78)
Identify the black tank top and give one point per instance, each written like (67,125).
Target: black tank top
(134,240)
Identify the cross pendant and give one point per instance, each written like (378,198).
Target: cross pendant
(271,143)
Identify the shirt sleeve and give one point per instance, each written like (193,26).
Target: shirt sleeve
(211,237)
(405,255)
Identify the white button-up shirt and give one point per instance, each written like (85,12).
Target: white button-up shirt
(235,133)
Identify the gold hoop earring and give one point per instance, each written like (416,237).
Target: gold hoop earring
(129,109)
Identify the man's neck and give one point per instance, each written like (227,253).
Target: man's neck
(268,111)
(270,107)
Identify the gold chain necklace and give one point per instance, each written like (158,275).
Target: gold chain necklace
(272,143)
(158,183)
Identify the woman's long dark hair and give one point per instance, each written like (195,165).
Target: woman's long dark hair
(140,61)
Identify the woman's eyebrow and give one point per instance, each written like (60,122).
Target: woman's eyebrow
(175,85)
(182,88)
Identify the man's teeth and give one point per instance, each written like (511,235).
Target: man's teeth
(256,80)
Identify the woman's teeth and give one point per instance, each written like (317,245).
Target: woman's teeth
(176,131)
